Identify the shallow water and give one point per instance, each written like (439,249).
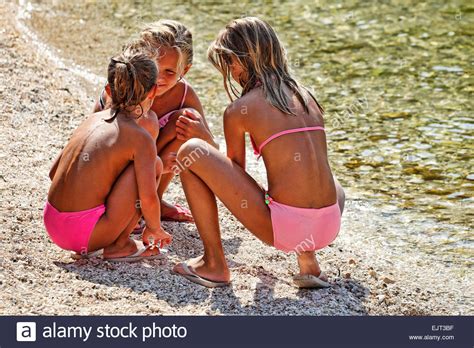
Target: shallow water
(395,78)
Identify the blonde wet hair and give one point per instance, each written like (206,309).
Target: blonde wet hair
(254,44)
(170,33)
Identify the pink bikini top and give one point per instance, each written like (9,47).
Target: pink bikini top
(164,119)
(258,150)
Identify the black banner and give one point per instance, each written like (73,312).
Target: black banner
(116,331)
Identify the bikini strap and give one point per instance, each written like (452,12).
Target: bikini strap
(288,131)
(184,95)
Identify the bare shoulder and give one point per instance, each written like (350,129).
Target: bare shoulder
(152,115)
(192,99)
(190,93)
(251,101)
(244,107)
(235,110)
(150,122)
(90,120)
(135,135)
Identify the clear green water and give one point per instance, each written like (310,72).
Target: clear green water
(395,78)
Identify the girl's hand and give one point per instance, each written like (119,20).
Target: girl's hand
(169,162)
(191,125)
(159,237)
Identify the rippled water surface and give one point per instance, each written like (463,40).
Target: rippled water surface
(395,78)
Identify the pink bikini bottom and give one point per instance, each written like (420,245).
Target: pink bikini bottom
(303,229)
(71,230)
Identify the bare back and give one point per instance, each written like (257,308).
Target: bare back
(297,166)
(94,157)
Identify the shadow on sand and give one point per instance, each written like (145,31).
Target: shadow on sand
(345,297)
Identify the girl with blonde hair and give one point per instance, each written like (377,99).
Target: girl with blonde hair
(301,209)
(177,114)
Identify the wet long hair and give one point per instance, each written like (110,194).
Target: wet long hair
(131,76)
(254,44)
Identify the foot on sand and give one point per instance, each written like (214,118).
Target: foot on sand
(311,281)
(132,251)
(197,271)
(175,213)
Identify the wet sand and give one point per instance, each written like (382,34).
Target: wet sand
(41,105)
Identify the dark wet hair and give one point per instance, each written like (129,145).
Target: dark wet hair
(131,75)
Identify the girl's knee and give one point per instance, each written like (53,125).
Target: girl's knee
(193,147)
(174,116)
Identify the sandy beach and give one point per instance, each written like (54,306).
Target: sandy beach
(41,105)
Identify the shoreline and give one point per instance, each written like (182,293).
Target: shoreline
(38,278)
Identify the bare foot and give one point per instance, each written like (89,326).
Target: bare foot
(170,212)
(217,273)
(309,264)
(129,248)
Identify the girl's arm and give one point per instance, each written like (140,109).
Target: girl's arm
(53,169)
(192,101)
(234,136)
(144,162)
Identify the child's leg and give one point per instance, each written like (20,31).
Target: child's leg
(123,245)
(167,143)
(166,136)
(208,174)
(307,260)
(169,211)
(166,178)
(308,263)
(168,132)
(113,229)
(212,265)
